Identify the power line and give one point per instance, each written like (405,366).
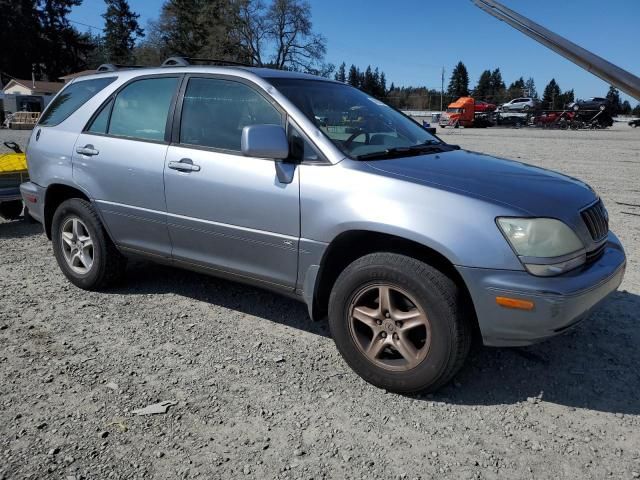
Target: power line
(85,25)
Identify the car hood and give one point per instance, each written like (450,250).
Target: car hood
(533,190)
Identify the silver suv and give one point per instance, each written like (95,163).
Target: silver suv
(313,189)
(520,104)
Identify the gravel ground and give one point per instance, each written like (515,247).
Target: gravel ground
(262,393)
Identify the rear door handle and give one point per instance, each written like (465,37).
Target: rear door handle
(88,150)
(184,165)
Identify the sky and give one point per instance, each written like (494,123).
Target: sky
(412,40)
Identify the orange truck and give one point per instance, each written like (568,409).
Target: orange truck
(463,113)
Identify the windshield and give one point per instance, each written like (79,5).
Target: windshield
(455,110)
(355,122)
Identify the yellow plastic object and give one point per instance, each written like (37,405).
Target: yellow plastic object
(13,163)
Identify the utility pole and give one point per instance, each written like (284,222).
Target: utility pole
(442,91)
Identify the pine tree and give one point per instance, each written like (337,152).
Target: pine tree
(516,89)
(530,87)
(626,108)
(483,90)
(383,84)
(354,77)
(564,99)
(551,92)
(613,95)
(459,83)
(120,31)
(636,111)
(341,74)
(498,89)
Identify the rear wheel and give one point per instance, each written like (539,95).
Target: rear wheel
(82,248)
(399,323)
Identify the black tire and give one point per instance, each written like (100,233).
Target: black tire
(438,296)
(11,210)
(108,263)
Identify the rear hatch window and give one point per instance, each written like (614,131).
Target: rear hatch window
(71,99)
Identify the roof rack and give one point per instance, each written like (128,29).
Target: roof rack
(187,61)
(113,67)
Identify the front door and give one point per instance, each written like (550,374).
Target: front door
(226,211)
(119,158)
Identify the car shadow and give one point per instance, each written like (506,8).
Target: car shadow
(145,278)
(594,366)
(18,229)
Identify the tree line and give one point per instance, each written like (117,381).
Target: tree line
(273,33)
(265,33)
(491,88)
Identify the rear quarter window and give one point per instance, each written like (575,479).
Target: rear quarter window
(71,99)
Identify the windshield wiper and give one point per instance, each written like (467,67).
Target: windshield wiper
(395,152)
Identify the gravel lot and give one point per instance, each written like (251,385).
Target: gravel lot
(262,393)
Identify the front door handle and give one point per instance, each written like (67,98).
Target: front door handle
(184,165)
(88,150)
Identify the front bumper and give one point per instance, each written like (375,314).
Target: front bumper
(560,302)
(33,198)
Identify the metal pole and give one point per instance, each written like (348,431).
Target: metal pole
(442,91)
(607,71)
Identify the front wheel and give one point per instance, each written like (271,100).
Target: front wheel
(82,247)
(399,323)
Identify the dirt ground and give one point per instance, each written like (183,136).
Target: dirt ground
(262,393)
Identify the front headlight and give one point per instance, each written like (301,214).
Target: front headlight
(545,246)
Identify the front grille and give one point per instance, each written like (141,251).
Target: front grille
(596,219)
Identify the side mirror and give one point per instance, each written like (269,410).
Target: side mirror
(265,141)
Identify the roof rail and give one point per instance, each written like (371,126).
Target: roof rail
(186,61)
(113,67)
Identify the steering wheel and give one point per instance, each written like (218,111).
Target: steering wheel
(355,135)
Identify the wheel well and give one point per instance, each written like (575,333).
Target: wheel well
(56,194)
(350,246)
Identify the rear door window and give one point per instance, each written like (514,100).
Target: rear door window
(71,99)
(140,109)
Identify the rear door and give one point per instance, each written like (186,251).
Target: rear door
(119,159)
(229,212)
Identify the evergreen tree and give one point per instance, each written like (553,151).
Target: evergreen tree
(530,87)
(19,22)
(383,85)
(564,99)
(550,96)
(120,31)
(516,89)
(61,48)
(626,108)
(459,82)
(341,74)
(636,111)
(498,89)
(368,82)
(354,76)
(613,95)
(484,88)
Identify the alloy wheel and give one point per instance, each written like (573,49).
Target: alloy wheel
(77,245)
(389,327)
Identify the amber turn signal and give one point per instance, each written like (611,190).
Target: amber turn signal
(515,303)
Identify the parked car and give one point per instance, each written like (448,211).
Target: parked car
(408,244)
(635,123)
(593,103)
(521,104)
(561,120)
(481,106)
